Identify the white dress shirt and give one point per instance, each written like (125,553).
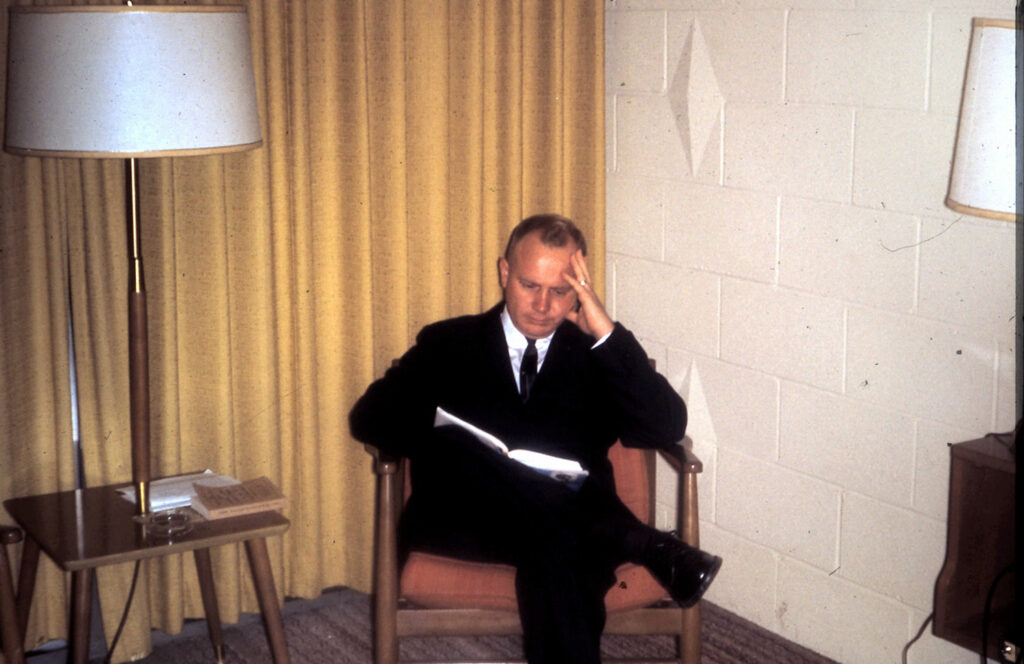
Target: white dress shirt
(516,341)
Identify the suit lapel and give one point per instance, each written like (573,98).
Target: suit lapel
(496,351)
(559,359)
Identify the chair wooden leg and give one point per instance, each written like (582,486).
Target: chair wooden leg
(10,636)
(689,642)
(27,582)
(204,570)
(385,626)
(689,530)
(689,523)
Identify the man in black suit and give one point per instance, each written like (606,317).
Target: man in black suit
(546,370)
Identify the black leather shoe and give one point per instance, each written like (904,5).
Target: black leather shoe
(686,572)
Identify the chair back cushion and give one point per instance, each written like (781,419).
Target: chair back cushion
(441,582)
(632,479)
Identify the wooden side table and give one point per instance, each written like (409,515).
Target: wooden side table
(89,528)
(980,542)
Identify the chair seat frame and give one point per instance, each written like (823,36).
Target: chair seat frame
(395,617)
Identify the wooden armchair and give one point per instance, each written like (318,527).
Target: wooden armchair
(439,596)
(10,632)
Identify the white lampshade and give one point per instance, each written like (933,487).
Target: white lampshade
(984,179)
(129,81)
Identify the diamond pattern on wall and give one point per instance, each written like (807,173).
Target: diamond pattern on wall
(695,98)
(699,425)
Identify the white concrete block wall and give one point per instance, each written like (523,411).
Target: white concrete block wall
(777,238)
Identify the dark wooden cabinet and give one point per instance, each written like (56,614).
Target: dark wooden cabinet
(980,545)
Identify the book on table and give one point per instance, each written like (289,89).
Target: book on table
(248,497)
(178,491)
(568,471)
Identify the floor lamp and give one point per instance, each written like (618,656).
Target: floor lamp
(131,82)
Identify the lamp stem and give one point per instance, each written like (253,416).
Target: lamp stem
(138,340)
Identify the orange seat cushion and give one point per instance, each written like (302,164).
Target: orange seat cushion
(441,582)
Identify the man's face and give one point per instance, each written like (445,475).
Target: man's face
(536,292)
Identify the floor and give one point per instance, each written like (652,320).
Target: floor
(56,652)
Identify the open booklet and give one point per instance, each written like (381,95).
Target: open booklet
(564,470)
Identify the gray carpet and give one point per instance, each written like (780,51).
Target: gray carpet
(335,629)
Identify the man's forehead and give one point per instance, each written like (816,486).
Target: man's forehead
(546,274)
(540,259)
(531,247)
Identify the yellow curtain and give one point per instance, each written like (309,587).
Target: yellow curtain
(402,141)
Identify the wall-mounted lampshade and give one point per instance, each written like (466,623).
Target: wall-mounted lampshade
(129,81)
(984,179)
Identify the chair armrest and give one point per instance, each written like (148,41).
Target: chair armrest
(390,471)
(384,463)
(681,458)
(686,465)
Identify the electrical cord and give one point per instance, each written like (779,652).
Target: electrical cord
(124,615)
(987,617)
(920,631)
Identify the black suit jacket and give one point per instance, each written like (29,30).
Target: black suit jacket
(583,399)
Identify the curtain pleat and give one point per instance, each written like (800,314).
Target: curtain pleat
(402,141)
(35,399)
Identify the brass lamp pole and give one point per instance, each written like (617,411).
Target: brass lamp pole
(138,342)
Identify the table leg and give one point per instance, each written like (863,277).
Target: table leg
(204,569)
(27,582)
(81,605)
(266,593)
(10,636)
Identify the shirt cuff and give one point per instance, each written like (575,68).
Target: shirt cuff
(601,340)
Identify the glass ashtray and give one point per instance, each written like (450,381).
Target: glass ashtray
(167,524)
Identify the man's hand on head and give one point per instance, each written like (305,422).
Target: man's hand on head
(591,316)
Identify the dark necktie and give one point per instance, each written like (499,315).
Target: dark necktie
(528,369)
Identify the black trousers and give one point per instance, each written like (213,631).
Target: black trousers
(472,503)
